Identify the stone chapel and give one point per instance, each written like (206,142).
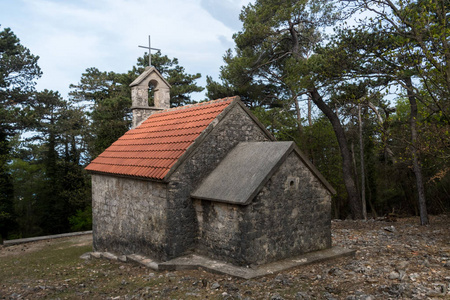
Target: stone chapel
(206,178)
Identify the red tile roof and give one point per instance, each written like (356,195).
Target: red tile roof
(152,148)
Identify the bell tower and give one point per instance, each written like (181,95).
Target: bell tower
(139,95)
(139,91)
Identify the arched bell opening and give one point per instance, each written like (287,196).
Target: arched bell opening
(152,88)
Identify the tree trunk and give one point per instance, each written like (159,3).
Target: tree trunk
(361,153)
(355,171)
(352,192)
(388,153)
(310,123)
(299,116)
(415,154)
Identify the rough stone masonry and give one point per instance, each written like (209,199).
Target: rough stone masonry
(207,179)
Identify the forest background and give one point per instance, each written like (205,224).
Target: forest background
(372,76)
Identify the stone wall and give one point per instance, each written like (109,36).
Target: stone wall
(236,127)
(291,215)
(129,216)
(140,115)
(220,233)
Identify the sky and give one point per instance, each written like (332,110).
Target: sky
(70,36)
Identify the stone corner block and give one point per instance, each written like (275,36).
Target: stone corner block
(96,254)
(143,260)
(86,256)
(109,256)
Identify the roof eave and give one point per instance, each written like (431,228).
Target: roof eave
(92,172)
(222,200)
(144,75)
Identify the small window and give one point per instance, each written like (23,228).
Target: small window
(291,183)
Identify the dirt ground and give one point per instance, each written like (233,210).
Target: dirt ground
(394,260)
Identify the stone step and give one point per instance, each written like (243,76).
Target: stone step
(194,261)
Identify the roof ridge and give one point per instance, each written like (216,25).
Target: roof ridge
(170,122)
(130,165)
(197,104)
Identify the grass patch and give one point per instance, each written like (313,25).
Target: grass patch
(55,270)
(49,262)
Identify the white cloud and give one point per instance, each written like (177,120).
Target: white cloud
(70,36)
(225,11)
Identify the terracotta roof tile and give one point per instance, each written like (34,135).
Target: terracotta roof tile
(152,149)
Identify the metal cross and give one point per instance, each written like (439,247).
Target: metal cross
(149,51)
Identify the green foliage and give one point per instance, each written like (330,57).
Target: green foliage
(82,220)
(280,122)
(282,53)
(273,50)
(319,143)
(276,48)
(29,188)
(47,171)
(18,70)
(7,222)
(107,94)
(216,90)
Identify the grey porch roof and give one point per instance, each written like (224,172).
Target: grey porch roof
(244,171)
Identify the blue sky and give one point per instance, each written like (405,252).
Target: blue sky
(70,36)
